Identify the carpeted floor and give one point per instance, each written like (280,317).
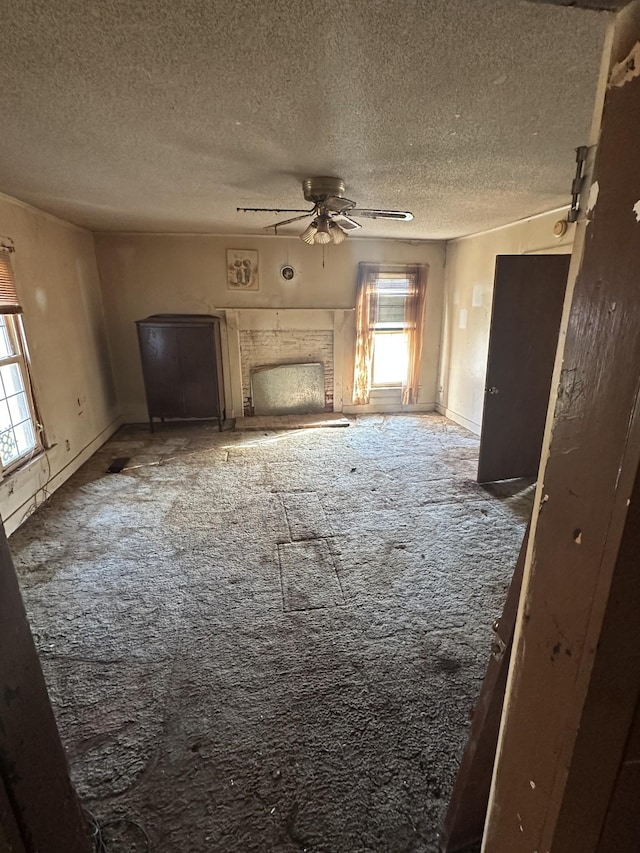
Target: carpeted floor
(270,641)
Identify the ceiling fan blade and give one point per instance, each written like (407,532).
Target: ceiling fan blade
(399,215)
(287,221)
(345,222)
(271,210)
(338,204)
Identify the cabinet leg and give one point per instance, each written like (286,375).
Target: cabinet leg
(151,429)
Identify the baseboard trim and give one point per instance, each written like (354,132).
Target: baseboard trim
(388,409)
(472,426)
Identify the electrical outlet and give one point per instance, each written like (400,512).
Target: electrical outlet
(67,444)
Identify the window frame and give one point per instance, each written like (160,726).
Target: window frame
(18,355)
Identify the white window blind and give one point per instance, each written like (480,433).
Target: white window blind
(9,302)
(392,294)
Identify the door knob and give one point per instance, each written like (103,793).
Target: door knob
(492,390)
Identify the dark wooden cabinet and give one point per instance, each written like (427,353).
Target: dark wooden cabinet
(182,366)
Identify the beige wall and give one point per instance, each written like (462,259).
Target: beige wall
(150,274)
(57,281)
(470,265)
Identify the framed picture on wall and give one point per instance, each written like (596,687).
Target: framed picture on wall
(242,269)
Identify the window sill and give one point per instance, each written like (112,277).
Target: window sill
(386,395)
(21,465)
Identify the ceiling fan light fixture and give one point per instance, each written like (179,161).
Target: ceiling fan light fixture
(337,234)
(323,235)
(309,233)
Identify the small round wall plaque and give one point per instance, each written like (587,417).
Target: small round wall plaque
(287,273)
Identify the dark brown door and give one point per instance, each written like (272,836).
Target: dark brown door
(525,321)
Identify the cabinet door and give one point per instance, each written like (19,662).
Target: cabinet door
(161,369)
(198,371)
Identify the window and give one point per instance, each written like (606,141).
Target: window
(390,310)
(20,435)
(390,339)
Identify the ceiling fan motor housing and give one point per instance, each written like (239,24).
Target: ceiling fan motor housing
(321,188)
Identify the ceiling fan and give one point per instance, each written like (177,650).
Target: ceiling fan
(331,215)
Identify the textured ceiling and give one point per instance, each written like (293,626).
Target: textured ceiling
(164,115)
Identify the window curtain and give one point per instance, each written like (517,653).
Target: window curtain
(414,320)
(366,312)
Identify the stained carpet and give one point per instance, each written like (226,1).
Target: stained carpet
(271,641)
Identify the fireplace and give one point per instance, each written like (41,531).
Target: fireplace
(309,351)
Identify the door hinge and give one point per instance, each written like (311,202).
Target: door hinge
(576,185)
